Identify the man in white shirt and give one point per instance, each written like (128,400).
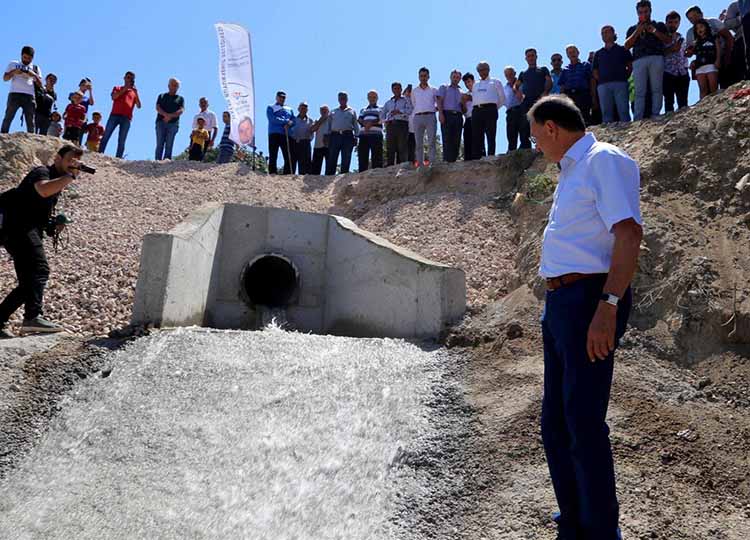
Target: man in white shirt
(468,105)
(424,104)
(487,97)
(24,77)
(589,257)
(695,14)
(212,123)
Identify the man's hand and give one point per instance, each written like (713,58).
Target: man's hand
(600,342)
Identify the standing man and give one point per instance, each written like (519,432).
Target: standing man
(226,145)
(467,104)
(516,123)
(396,113)
(589,256)
(534,83)
(371,134)
(450,114)
(424,101)
(695,14)
(576,82)
(32,204)
(124,99)
(344,130)
(169,108)
(676,78)
(744,6)
(613,64)
(211,122)
(280,121)
(322,130)
(556,72)
(648,40)
(488,96)
(733,22)
(24,77)
(46,100)
(302,135)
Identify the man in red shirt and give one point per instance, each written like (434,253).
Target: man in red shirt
(75,115)
(125,98)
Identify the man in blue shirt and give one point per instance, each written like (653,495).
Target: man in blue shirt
(516,124)
(280,122)
(613,64)
(590,253)
(576,82)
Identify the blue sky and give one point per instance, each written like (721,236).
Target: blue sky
(310,49)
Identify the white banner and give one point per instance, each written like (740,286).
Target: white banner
(236,79)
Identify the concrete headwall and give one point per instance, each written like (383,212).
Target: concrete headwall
(351,282)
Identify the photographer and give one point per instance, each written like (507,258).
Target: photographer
(28,211)
(24,78)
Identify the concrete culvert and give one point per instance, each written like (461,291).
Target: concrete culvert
(270,280)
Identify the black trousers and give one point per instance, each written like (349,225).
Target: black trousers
(468,140)
(397,142)
(746,34)
(319,156)
(675,86)
(301,159)
(739,63)
(582,99)
(32,272)
(72,134)
(451,132)
(483,125)
(16,101)
(517,126)
(370,147)
(42,123)
(276,142)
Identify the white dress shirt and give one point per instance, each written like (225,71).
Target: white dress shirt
(210,119)
(599,187)
(424,100)
(488,91)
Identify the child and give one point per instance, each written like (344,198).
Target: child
(198,139)
(55,129)
(226,146)
(75,115)
(95,131)
(708,58)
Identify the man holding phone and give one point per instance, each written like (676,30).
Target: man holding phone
(125,98)
(648,39)
(24,78)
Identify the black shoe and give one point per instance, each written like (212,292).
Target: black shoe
(37,325)
(5,333)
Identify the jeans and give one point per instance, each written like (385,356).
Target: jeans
(276,142)
(614,97)
(451,132)
(574,410)
(42,123)
(370,152)
(114,121)
(517,125)
(397,142)
(483,125)
(341,143)
(425,123)
(319,156)
(165,134)
(225,156)
(32,271)
(26,103)
(675,86)
(648,73)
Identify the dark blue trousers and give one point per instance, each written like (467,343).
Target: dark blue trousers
(340,143)
(574,408)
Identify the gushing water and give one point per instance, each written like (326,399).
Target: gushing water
(263,435)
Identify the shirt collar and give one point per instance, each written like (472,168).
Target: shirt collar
(576,152)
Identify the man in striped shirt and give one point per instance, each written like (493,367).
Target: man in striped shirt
(226,145)
(371,134)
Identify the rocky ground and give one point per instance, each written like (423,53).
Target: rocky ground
(679,415)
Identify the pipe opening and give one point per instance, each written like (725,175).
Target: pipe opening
(270,281)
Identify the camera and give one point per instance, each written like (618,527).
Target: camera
(86,168)
(59,219)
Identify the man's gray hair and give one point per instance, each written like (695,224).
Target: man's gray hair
(511,68)
(176,80)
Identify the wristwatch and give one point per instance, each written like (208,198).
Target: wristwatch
(610,299)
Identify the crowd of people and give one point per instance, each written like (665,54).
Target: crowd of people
(650,70)
(37,98)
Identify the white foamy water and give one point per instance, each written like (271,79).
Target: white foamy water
(262,435)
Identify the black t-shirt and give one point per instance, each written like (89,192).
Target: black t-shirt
(705,52)
(45,101)
(648,44)
(29,210)
(533,82)
(170,104)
